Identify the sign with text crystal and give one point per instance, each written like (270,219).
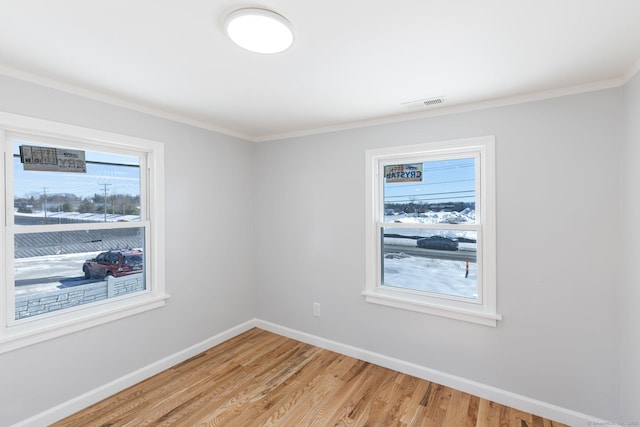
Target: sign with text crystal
(403,173)
(52,159)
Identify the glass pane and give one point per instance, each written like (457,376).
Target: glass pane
(108,191)
(437,261)
(432,192)
(59,270)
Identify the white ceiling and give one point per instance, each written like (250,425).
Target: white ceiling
(353,62)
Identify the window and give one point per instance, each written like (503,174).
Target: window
(83,229)
(431,229)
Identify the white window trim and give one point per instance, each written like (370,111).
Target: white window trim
(14,335)
(484,310)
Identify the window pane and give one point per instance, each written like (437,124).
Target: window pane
(437,261)
(433,192)
(59,270)
(109,191)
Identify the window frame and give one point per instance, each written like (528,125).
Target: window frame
(481,311)
(16,334)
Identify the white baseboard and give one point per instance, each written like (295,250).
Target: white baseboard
(484,391)
(87,399)
(523,403)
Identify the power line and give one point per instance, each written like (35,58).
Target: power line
(93,162)
(438,168)
(429,194)
(425,199)
(417,184)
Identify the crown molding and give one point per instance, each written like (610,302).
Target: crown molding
(455,109)
(433,112)
(116,101)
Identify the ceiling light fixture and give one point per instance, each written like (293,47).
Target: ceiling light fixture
(259,30)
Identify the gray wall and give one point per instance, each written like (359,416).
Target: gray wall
(208,223)
(558,248)
(631,249)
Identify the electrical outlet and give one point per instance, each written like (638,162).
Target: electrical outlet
(316,309)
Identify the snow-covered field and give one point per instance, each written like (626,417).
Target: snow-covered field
(50,269)
(467,216)
(65,265)
(440,276)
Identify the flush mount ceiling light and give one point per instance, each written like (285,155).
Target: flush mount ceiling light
(259,30)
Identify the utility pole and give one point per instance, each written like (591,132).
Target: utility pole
(44,190)
(105,200)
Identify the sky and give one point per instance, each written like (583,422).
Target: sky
(442,181)
(123,178)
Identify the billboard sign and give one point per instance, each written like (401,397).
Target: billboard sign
(52,159)
(403,173)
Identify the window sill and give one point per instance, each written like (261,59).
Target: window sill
(22,335)
(389,299)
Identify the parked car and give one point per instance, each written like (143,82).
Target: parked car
(114,263)
(438,242)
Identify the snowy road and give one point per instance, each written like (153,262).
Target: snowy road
(40,274)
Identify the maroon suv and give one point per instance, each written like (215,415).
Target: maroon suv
(113,263)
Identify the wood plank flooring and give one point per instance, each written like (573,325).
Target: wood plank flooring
(263,379)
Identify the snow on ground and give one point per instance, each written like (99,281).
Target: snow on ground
(445,277)
(67,265)
(439,276)
(51,269)
(87,217)
(467,216)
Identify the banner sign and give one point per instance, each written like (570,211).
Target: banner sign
(403,173)
(52,159)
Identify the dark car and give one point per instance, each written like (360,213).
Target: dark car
(438,242)
(114,263)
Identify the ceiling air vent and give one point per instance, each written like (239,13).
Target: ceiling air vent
(429,102)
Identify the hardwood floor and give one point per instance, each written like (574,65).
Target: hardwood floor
(262,379)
